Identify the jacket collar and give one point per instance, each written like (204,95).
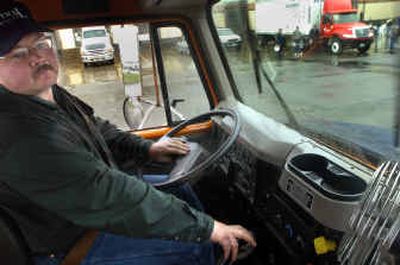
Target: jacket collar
(4,91)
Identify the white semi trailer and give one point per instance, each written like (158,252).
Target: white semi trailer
(272,15)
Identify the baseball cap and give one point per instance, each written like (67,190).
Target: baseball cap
(15,22)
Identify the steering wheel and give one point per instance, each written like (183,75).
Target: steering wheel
(188,167)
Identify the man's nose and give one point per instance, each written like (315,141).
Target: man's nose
(34,57)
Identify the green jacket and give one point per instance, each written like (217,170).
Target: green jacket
(59,176)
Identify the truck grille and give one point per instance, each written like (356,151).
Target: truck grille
(96,46)
(362,33)
(97,52)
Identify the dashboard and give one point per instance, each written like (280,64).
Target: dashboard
(302,199)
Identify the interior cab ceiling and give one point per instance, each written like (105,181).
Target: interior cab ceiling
(74,11)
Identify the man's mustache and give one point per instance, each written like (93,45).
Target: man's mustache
(43,67)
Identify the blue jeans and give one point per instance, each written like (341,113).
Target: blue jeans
(110,249)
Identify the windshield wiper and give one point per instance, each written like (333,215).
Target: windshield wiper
(257,63)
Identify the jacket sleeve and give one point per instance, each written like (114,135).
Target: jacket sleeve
(124,145)
(59,175)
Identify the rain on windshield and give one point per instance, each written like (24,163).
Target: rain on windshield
(337,84)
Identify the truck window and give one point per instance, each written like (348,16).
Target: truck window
(185,89)
(94,33)
(325,19)
(345,18)
(119,64)
(335,85)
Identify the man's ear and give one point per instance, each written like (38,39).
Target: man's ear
(3,75)
(1,79)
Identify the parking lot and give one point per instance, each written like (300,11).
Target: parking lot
(329,80)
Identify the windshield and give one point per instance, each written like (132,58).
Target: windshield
(95,46)
(344,96)
(224,32)
(94,33)
(345,18)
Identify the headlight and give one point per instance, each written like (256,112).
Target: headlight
(348,35)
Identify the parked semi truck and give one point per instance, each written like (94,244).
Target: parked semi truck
(338,22)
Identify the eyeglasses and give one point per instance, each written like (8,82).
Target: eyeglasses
(22,53)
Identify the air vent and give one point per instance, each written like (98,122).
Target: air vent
(374,228)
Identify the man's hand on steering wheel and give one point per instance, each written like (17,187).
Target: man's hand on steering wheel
(227,236)
(194,157)
(163,150)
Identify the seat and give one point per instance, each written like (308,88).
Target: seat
(13,250)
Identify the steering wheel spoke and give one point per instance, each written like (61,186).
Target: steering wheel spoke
(189,167)
(185,163)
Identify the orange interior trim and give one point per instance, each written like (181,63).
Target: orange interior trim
(202,64)
(349,155)
(117,8)
(159,132)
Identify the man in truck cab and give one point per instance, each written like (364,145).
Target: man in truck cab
(59,174)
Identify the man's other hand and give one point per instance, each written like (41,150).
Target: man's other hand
(227,237)
(162,151)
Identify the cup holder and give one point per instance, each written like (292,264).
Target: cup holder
(327,176)
(310,162)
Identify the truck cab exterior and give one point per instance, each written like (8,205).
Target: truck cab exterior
(340,27)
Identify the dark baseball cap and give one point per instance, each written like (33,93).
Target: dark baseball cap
(16,21)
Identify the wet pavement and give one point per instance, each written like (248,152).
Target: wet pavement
(100,85)
(348,88)
(343,88)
